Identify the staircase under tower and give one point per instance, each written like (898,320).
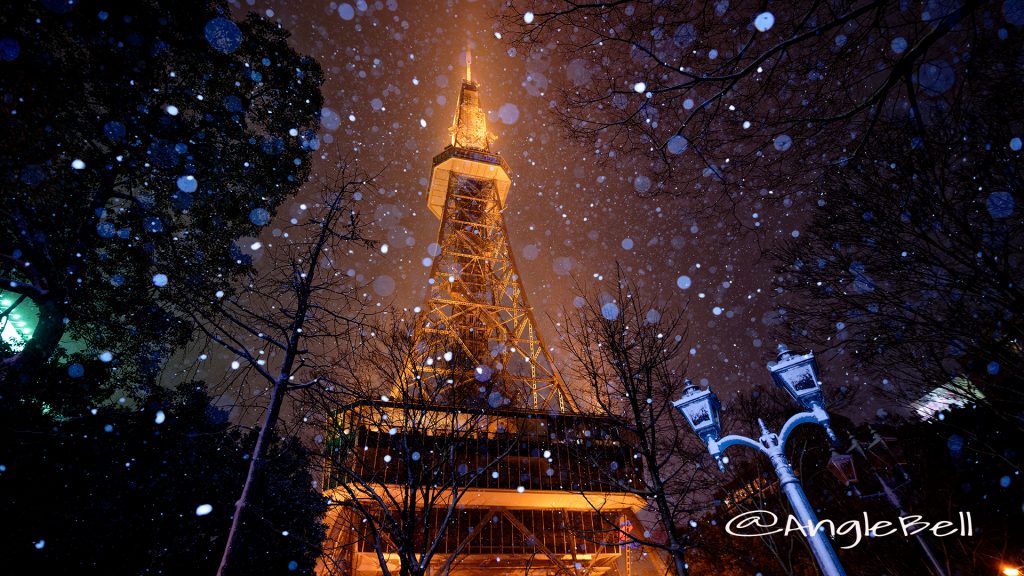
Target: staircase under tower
(476,350)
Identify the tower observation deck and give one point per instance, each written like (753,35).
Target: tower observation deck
(480,443)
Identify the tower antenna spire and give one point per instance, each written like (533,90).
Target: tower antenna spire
(469,63)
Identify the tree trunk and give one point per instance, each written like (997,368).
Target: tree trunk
(676,547)
(675,541)
(259,453)
(414,570)
(680,562)
(303,284)
(277,397)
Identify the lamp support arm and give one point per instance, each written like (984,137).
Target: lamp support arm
(717,447)
(817,415)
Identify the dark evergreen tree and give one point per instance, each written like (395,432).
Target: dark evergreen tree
(141,141)
(126,491)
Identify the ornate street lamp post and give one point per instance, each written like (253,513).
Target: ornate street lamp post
(798,375)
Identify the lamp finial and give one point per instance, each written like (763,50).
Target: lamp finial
(784,352)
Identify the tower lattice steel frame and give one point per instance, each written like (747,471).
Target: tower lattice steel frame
(478,336)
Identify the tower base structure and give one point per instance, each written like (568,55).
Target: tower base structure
(528,498)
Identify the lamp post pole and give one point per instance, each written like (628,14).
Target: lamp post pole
(798,375)
(774,447)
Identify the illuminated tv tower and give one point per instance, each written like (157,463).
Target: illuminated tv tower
(476,297)
(536,507)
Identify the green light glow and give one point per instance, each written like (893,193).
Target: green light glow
(20,323)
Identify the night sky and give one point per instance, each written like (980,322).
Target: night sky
(392,71)
(171,406)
